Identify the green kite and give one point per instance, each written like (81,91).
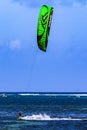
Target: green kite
(44,23)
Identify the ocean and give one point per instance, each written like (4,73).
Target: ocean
(43,111)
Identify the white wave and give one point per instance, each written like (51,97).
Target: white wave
(37,94)
(27,94)
(48,118)
(79,95)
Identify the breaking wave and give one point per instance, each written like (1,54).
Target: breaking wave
(38,94)
(27,94)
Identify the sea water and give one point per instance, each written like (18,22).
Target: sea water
(43,111)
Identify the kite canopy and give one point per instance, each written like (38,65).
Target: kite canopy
(44,23)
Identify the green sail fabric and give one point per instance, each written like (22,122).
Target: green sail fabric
(44,23)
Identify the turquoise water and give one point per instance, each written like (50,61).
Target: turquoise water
(44,111)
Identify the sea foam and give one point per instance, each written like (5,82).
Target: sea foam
(44,117)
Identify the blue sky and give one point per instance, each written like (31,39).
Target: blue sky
(23,67)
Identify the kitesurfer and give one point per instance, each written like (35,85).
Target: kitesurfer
(19,116)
